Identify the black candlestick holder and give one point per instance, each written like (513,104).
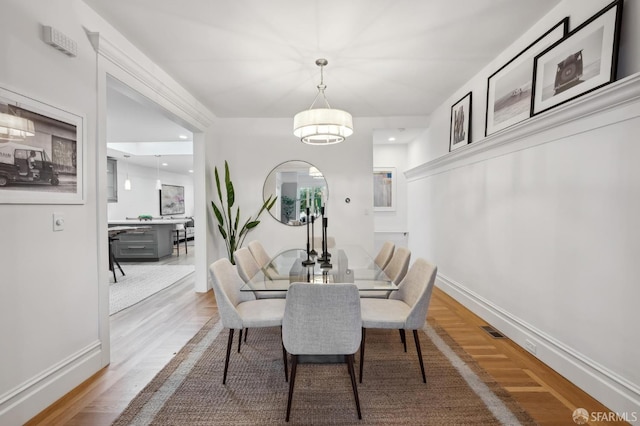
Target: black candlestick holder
(325,252)
(313,251)
(309,261)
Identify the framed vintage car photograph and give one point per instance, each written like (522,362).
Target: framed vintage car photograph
(41,152)
(585,60)
(509,88)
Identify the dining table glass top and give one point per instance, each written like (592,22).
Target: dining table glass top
(348,264)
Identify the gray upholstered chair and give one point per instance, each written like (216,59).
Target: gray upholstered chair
(246,264)
(405,309)
(248,267)
(259,253)
(237,309)
(384,255)
(397,267)
(322,320)
(394,263)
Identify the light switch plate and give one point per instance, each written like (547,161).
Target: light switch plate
(58,222)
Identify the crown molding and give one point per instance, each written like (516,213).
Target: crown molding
(596,109)
(145,71)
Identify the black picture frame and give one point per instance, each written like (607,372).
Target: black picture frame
(509,88)
(460,123)
(585,60)
(45,163)
(171,200)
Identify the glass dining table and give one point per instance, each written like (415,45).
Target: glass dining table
(348,264)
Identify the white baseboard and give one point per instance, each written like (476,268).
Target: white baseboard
(25,401)
(612,390)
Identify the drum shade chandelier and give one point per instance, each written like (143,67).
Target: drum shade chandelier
(14,128)
(322,126)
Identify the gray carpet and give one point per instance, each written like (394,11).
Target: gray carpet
(142,281)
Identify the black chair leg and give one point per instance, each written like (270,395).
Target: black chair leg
(284,358)
(364,333)
(403,338)
(417,340)
(226,361)
(177,243)
(240,341)
(186,250)
(294,365)
(246,332)
(350,360)
(284,361)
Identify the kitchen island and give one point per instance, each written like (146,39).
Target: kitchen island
(151,242)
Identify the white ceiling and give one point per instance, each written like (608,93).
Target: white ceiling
(139,128)
(256,58)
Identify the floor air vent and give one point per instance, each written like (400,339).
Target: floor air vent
(493,332)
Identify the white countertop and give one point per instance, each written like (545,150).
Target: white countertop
(153,221)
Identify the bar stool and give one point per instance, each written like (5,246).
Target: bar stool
(113,262)
(180,229)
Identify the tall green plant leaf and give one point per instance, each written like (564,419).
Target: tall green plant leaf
(228,224)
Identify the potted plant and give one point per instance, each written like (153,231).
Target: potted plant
(228,224)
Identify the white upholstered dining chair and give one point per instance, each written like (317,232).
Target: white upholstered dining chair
(398,265)
(384,255)
(236,309)
(405,309)
(248,267)
(322,319)
(259,253)
(246,264)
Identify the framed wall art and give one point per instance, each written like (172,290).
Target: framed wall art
(171,200)
(585,60)
(41,152)
(509,88)
(384,188)
(460,126)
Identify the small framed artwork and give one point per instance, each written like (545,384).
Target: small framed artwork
(460,130)
(41,152)
(585,60)
(509,88)
(384,189)
(171,200)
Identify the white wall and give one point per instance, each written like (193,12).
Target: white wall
(143,196)
(253,147)
(535,228)
(49,291)
(54,291)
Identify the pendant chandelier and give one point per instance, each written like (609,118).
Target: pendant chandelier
(322,126)
(127,182)
(158,181)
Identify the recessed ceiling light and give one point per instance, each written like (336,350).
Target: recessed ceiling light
(190,171)
(182,136)
(391,139)
(165,164)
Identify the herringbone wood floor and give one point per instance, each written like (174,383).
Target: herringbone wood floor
(146,336)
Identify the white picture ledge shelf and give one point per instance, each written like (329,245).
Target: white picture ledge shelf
(602,107)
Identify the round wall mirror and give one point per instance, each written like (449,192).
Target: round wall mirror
(298,185)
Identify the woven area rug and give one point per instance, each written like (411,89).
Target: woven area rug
(142,281)
(189,390)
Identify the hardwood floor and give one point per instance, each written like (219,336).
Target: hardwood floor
(146,336)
